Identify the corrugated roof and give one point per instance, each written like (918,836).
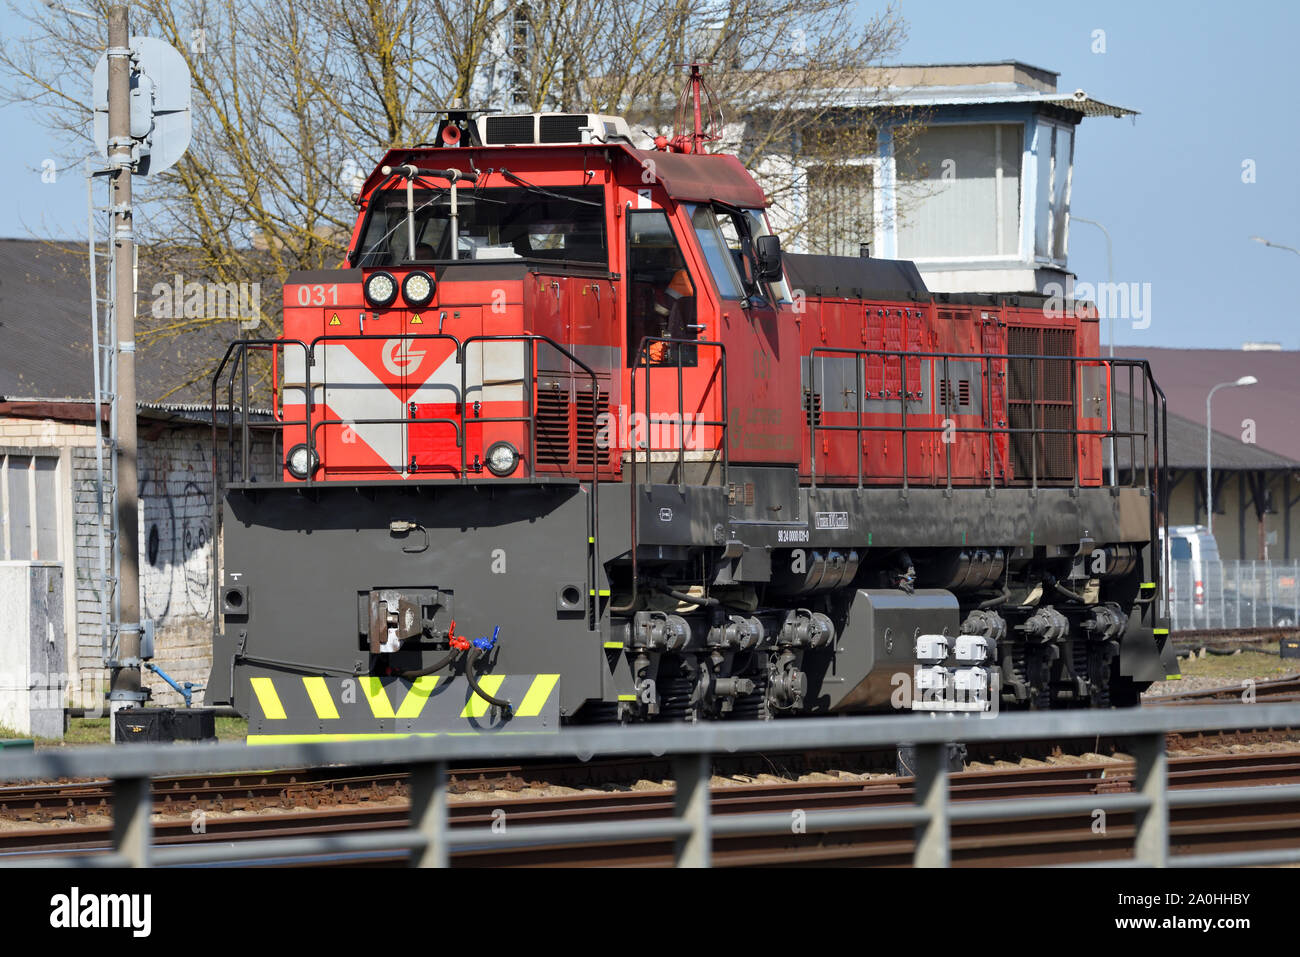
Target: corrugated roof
(83,410)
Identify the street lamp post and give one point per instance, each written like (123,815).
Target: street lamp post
(1110,326)
(1290,249)
(1209,432)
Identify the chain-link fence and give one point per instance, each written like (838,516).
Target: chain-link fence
(1211,595)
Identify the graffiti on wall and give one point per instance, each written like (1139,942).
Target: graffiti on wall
(176,533)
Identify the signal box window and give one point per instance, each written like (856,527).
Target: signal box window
(661,295)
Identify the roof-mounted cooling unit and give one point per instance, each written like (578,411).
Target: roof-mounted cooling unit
(547,128)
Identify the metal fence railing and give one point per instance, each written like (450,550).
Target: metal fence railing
(1228,595)
(690,824)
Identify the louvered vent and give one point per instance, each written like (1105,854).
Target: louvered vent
(567,430)
(1041,397)
(812,407)
(960,394)
(553,433)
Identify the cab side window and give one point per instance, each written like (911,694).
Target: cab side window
(716,253)
(726,238)
(661,294)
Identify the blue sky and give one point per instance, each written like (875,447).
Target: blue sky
(1215,84)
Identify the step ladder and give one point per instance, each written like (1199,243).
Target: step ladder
(103,324)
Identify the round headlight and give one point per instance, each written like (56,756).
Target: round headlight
(301,461)
(381,289)
(502,458)
(417,288)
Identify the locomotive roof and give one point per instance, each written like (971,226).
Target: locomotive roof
(691,178)
(854,277)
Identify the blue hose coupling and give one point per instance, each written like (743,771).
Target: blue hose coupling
(485,643)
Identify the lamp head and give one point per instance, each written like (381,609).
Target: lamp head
(1246,380)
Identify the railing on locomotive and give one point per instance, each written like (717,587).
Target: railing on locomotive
(1151,457)
(530,340)
(238,351)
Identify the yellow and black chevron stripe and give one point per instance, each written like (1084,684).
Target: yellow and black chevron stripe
(292,708)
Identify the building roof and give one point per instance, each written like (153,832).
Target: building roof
(83,410)
(1002,94)
(1186,442)
(44,319)
(1187,375)
(45,329)
(934,85)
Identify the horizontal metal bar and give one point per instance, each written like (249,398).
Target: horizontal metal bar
(1284,855)
(710,737)
(523,836)
(262,848)
(1205,797)
(1046,806)
(48,858)
(815,821)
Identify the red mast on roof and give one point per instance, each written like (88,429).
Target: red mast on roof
(699,100)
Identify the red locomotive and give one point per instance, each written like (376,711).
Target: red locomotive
(572,394)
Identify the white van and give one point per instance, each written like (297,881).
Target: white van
(1195,576)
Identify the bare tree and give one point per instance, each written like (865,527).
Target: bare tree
(295,100)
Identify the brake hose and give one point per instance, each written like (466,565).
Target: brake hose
(481,647)
(705,601)
(458,645)
(1073,595)
(443,662)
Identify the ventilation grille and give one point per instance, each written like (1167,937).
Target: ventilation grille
(553,433)
(567,430)
(1041,397)
(812,407)
(960,395)
(561,129)
(508,129)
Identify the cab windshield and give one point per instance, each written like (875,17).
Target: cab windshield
(561,223)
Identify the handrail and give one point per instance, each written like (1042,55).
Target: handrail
(643,353)
(429,838)
(989,429)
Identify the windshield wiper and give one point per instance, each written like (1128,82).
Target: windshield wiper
(546,192)
(384,238)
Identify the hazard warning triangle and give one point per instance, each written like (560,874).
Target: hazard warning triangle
(416,320)
(334,320)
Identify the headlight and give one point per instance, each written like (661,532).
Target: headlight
(301,461)
(381,289)
(417,288)
(502,458)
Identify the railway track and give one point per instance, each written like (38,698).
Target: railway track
(1057,839)
(1286,688)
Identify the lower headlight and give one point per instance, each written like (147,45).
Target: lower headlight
(502,458)
(301,461)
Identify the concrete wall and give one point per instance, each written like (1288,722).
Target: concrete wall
(175,544)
